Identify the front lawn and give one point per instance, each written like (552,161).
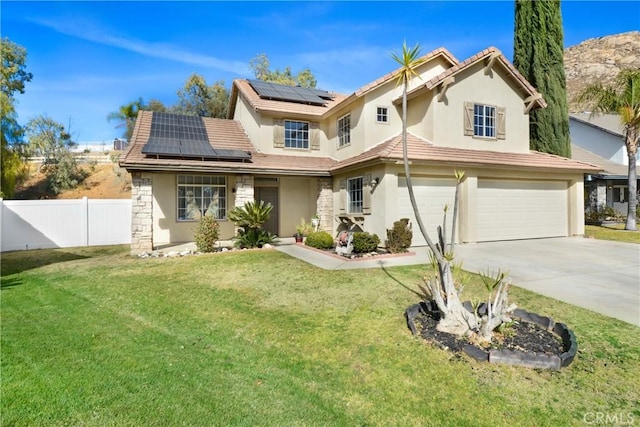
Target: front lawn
(615,232)
(96,337)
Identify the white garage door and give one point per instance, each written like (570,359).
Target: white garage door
(431,195)
(509,210)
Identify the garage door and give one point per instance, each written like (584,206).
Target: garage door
(509,210)
(431,194)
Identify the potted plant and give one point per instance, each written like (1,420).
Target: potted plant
(302,229)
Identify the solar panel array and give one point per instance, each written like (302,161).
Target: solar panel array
(278,92)
(175,135)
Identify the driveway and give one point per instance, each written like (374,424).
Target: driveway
(598,275)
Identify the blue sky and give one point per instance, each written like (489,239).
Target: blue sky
(89,58)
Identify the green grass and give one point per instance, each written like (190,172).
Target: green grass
(95,337)
(615,232)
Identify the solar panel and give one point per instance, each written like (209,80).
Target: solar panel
(278,92)
(175,135)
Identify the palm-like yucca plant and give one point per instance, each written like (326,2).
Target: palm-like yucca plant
(250,218)
(623,98)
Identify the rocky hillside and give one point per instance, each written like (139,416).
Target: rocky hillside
(599,59)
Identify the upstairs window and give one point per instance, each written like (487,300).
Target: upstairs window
(344,130)
(200,195)
(296,134)
(484,121)
(382,115)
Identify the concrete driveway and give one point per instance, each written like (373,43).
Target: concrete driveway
(594,274)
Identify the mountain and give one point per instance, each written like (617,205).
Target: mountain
(599,60)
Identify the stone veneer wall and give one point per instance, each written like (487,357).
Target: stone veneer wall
(324,203)
(244,190)
(141,212)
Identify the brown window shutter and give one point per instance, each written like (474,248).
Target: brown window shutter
(366,194)
(502,127)
(278,133)
(343,195)
(468,118)
(314,136)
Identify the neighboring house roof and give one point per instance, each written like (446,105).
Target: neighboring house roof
(222,134)
(422,151)
(608,167)
(609,123)
(485,55)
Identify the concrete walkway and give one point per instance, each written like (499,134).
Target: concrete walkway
(598,275)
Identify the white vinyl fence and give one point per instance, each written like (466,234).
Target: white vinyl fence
(40,224)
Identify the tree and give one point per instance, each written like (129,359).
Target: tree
(13,77)
(622,97)
(126,116)
(539,57)
(49,139)
(260,66)
(456,319)
(196,98)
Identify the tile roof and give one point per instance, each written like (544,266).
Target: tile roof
(277,107)
(440,52)
(481,56)
(423,152)
(223,134)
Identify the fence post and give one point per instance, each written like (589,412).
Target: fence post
(85,216)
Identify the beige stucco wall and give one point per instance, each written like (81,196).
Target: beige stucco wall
(473,85)
(166,228)
(297,200)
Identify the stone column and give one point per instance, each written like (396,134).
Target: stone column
(141,212)
(324,204)
(244,190)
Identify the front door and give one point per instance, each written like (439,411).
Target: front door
(270,195)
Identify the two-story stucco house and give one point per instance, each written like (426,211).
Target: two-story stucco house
(309,151)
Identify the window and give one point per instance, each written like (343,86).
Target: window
(200,195)
(620,194)
(354,194)
(344,130)
(484,121)
(382,115)
(296,134)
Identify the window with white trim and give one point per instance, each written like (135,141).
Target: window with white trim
(296,134)
(344,130)
(484,121)
(354,195)
(382,115)
(200,195)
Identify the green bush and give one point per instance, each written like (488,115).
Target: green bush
(206,234)
(365,242)
(253,238)
(320,240)
(399,237)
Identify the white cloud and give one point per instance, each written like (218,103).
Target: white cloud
(155,50)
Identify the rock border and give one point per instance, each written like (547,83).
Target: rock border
(509,357)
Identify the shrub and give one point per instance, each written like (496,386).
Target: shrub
(399,237)
(320,240)
(253,238)
(365,242)
(206,234)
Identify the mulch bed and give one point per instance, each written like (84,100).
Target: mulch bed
(357,257)
(518,336)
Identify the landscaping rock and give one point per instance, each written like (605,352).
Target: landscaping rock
(528,360)
(476,353)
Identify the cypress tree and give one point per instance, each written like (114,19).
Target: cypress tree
(538,56)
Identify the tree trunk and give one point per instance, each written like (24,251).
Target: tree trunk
(632,150)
